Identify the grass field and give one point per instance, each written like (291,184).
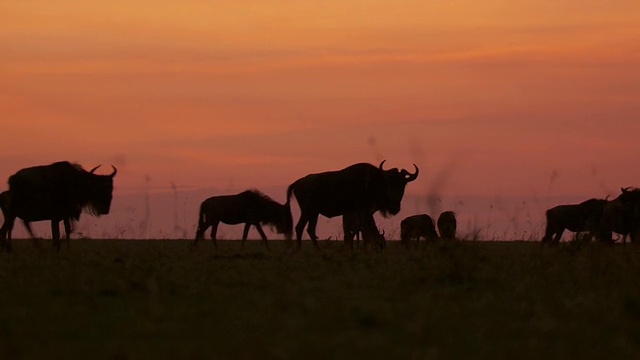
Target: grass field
(160,299)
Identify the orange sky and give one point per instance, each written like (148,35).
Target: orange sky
(487,97)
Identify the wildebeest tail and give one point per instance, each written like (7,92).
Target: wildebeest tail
(202,217)
(289,194)
(202,220)
(287,205)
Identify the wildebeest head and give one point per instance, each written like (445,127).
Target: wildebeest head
(101,191)
(282,220)
(621,215)
(395,182)
(630,204)
(273,213)
(630,196)
(627,204)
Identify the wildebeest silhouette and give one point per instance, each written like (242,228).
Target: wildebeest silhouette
(581,217)
(56,192)
(5,207)
(359,188)
(447,225)
(354,224)
(622,216)
(250,207)
(417,226)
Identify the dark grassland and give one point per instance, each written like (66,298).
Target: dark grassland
(159,299)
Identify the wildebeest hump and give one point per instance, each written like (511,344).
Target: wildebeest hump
(359,187)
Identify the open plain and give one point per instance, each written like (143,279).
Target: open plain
(163,299)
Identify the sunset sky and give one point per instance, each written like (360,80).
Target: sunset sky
(486,97)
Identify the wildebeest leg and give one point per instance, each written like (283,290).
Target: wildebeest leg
(202,227)
(245,233)
(55,233)
(404,238)
(348,236)
(551,236)
(262,235)
(27,225)
(34,239)
(5,233)
(311,230)
(214,231)
(67,231)
(299,229)
(3,238)
(557,237)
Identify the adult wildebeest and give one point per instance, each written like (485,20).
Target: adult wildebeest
(354,224)
(56,192)
(417,226)
(250,207)
(447,225)
(584,216)
(5,206)
(359,188)
(621,215)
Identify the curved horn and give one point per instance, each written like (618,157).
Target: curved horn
(381,164)
(94,169)
(115,171)
(410,177)
(624,190)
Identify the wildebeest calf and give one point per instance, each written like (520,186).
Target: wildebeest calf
(584,216)
(250,207)
(447,225)
(354,224)
(417,226)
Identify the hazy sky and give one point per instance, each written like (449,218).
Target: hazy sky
(485,96)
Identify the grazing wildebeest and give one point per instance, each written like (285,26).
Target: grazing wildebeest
(622,216)
(56,192)
(359,188)
(5,207)
(447,225)
(417,226)
(250,207)
(584,216)
(354,224)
